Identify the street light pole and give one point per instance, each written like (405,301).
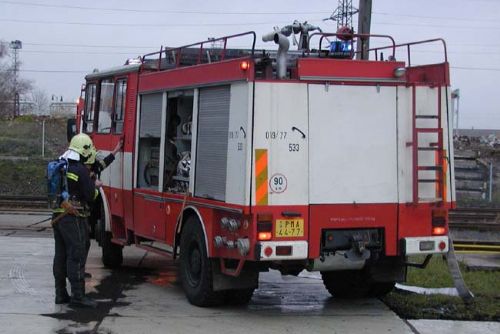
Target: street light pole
(16,45)
(455,100)
(43,137)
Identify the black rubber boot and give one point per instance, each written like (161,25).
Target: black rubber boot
(62,296)
(78,298)
(82,301)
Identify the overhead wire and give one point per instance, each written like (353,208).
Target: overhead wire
(180,25)
(46,71)
(155,11)
(432,25)
(475,68)
(129,24)
(225,12)
(91,45)
(76,52)
(452,18)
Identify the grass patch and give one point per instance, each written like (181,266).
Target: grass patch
(484,284)
(23,137)
(20,146)
(23,177)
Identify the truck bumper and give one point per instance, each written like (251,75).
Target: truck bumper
(282,250)
(426,245)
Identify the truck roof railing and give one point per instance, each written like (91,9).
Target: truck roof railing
(408,48)
(208,52)
(193,54)
(351,38)
(376,50)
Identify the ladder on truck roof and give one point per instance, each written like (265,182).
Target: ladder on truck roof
(439,168)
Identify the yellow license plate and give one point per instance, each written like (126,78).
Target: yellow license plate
(289,228)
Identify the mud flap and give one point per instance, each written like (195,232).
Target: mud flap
(246,279)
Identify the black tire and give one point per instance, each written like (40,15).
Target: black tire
(196,268)
(380,289)
(112,254)
(238,296)
(96,211)
(346,284)
(354,284)
(100,226)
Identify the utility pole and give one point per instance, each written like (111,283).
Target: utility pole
(364,22)
(16,46)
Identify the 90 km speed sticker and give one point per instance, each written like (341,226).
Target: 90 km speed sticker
(278,183)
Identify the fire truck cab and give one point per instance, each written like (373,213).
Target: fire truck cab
(238,161)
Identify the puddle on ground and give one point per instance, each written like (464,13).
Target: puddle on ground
(108,292)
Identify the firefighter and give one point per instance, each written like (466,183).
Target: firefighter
(70,226)
(95,167)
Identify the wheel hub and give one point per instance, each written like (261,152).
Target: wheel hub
(194,270)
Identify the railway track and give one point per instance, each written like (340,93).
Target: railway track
(477,219)
(478,247)
(9,202)
(475,230)
(475,214)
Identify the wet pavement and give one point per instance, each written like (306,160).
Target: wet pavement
(144,296)
(452,326)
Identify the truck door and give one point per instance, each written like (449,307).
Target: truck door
(117,171)
(352,144)
(149,205)
(353,178)
(280,143)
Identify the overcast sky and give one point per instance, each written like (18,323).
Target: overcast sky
(64,40)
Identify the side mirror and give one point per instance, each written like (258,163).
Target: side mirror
(70,128)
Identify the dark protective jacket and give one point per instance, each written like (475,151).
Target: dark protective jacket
(99,165)
(80,186)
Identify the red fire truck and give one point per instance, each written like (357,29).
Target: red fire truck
(237,161)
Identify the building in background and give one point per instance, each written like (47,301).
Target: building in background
(62,109)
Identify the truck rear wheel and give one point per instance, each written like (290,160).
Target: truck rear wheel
(346,284)
(354,284)
(380,289)
(195,266)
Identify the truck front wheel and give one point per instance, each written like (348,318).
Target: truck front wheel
(195,266)
(238,296)
(112,254)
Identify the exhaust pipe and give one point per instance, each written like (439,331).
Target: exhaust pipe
(281,58)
